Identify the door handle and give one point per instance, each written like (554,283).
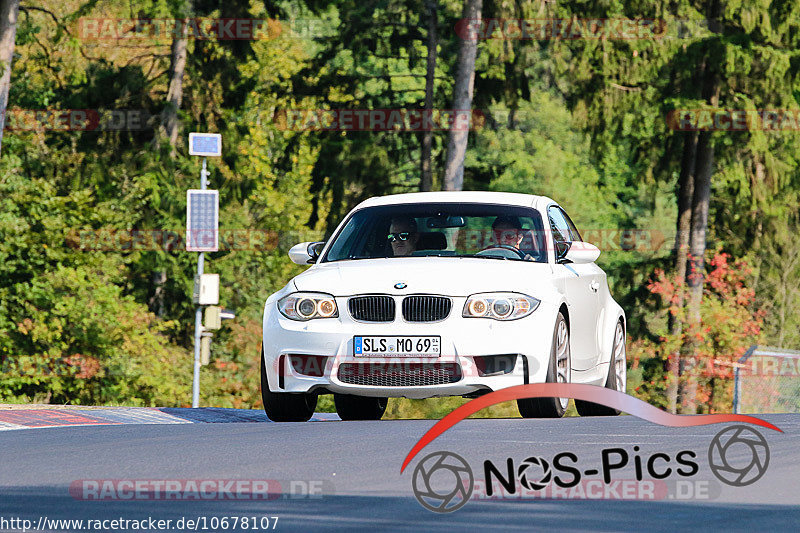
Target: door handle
(594,286)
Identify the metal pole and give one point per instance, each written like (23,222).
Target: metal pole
(198,315)
(737,386)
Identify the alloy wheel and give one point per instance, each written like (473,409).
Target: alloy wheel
(562,359)
(620,358)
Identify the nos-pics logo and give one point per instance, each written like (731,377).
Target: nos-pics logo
(443,481)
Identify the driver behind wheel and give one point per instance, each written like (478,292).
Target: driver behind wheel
(508,231)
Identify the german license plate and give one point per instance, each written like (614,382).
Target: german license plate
(397,346)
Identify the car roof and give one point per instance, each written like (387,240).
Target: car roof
(481,197)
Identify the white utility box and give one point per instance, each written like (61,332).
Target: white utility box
(206,289)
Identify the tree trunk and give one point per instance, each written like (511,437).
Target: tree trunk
(786,289)
(696,266)
(156,302)
(462,101)
(170,126)
(8,33)
(426,183)
(685,195)
(695,273)
(757,217)
(784,297)
(683,225)
(175,92)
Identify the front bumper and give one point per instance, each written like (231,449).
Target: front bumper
(462,341)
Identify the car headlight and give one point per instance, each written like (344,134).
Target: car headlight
(308,305)
(499,305)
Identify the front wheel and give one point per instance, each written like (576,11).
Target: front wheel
(350,407)
(558,371)
(616,380)
(285,406)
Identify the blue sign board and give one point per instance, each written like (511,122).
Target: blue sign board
(202,220)
(206,144)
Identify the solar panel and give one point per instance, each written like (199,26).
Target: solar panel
(202,220)
(206,144)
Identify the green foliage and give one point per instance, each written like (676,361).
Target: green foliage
(537,150)
(76,307)
(731,323)
(70,335)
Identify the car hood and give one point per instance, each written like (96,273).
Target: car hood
(448,276)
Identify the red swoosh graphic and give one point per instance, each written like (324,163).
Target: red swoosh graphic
(591,393)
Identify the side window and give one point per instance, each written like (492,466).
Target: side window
(559,225)
(573,231)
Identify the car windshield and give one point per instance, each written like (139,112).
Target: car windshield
(485,231)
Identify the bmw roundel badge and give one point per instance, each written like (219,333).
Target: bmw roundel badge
(400,285)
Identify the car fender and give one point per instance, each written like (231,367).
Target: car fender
(613,314)
(270,309)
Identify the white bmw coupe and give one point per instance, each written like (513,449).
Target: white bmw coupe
(442,294)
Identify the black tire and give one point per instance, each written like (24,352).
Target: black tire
(548,407)
(595,409)
(351,407)
(285,406)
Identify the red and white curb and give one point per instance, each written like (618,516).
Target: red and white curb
(11,419)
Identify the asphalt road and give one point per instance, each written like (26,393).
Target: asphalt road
(357,465)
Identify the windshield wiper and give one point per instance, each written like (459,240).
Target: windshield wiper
(357,257)
(488,257)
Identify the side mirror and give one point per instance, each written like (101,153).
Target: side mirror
(582,252)
(306,253)
(561,250)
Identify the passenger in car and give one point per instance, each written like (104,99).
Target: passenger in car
(403,236)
